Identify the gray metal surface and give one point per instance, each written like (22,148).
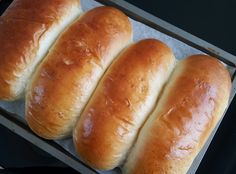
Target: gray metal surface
(157,23)
(14,124)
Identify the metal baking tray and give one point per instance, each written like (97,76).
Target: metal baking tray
(18,125)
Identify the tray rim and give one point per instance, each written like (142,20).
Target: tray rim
(18,126)
(171,30)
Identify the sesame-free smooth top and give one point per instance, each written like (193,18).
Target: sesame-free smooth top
(27,30)
(121,103)
(63,83)
(188,110)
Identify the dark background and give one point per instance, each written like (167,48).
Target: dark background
(211,20)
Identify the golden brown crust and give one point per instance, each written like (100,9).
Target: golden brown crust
(191,105)
(121,102)
(22,27)
(45,12)
(66,78)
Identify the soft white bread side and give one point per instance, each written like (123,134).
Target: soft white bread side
(120,104)
(65,80)
(189,108)
(27,30)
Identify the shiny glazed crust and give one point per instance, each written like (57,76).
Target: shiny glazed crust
(64,81)
(27,30)
(189,108)
(120,104)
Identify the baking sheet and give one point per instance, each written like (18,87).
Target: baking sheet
(140,31)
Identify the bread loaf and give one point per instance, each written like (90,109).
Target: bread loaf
(120,104)
(189,108)
(66,78)
(27,30)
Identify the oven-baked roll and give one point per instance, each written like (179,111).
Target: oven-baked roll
(120,104)
(66,78)
(27,30)
(188,110)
